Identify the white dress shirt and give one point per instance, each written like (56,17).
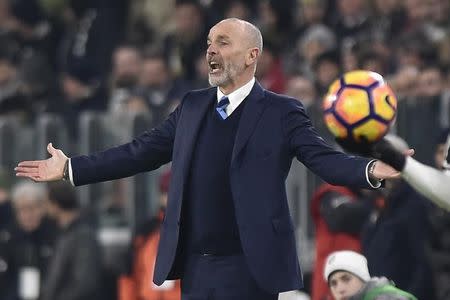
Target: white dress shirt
(237,96)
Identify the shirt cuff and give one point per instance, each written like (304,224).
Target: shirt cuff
(71,174)
(374,183)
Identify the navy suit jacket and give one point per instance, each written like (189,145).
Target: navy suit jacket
(273,129)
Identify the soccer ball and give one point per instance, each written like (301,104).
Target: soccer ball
(359,104)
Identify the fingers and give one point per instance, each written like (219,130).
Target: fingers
(28,169)
(29,164)
(27,174)
(32,176)
(23,169)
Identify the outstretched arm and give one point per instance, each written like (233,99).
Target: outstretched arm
(334,167)
(146,152)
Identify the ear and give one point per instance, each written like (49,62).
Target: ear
(252,56)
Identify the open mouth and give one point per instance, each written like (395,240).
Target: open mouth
(214,67)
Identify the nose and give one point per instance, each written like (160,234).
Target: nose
(211,50)
(341,290)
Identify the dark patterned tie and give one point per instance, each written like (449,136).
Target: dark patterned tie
(222,106)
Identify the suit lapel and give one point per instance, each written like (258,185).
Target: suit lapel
(250,115)
(191,126)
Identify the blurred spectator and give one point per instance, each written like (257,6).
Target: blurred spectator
(6,215)
(157,87)
(396,239)
(303,89)
(202,71)
(74,272)
(351,20)
(417,12)
(327,68)
(83,91)
(29,242)
(6,218)
(316,40)
(415,49)
(310,13)
(439,12)
(429,109)
(188,39)
(27,85)
(338,214)
(275,20)
(149,21)
(11,99)
(37,85)
(404,81)
(349,56)
(95,27)
(238,9)
(24,22)
(137,284)
(348,277)
(372,61)
(388,19)
(440,221)
(443,49)
(270,72)
(127,68)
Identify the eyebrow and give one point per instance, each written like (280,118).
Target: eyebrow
(220,37)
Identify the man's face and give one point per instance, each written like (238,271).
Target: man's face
(154,73)
(29,212)
(226,53)
(343,285)
(126,66)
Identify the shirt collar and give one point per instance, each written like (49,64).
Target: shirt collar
(238,95)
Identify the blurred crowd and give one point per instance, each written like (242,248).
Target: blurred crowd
(71,56)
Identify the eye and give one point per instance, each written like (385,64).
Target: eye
(346,278)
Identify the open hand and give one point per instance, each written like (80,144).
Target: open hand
(50,169)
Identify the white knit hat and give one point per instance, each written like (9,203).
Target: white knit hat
(349,261)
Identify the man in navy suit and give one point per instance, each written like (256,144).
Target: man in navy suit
(227,232)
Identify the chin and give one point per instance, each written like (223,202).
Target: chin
(216,81)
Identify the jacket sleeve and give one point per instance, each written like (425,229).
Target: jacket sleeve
(334,167)
(431,183)
(146,152)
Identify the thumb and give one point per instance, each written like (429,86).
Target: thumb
(51,149)
(409,152)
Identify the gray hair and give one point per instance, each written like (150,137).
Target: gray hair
(320,33)
(35,191)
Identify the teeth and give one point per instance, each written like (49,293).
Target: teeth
(214,67)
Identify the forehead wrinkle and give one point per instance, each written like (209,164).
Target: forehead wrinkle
(247,32)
